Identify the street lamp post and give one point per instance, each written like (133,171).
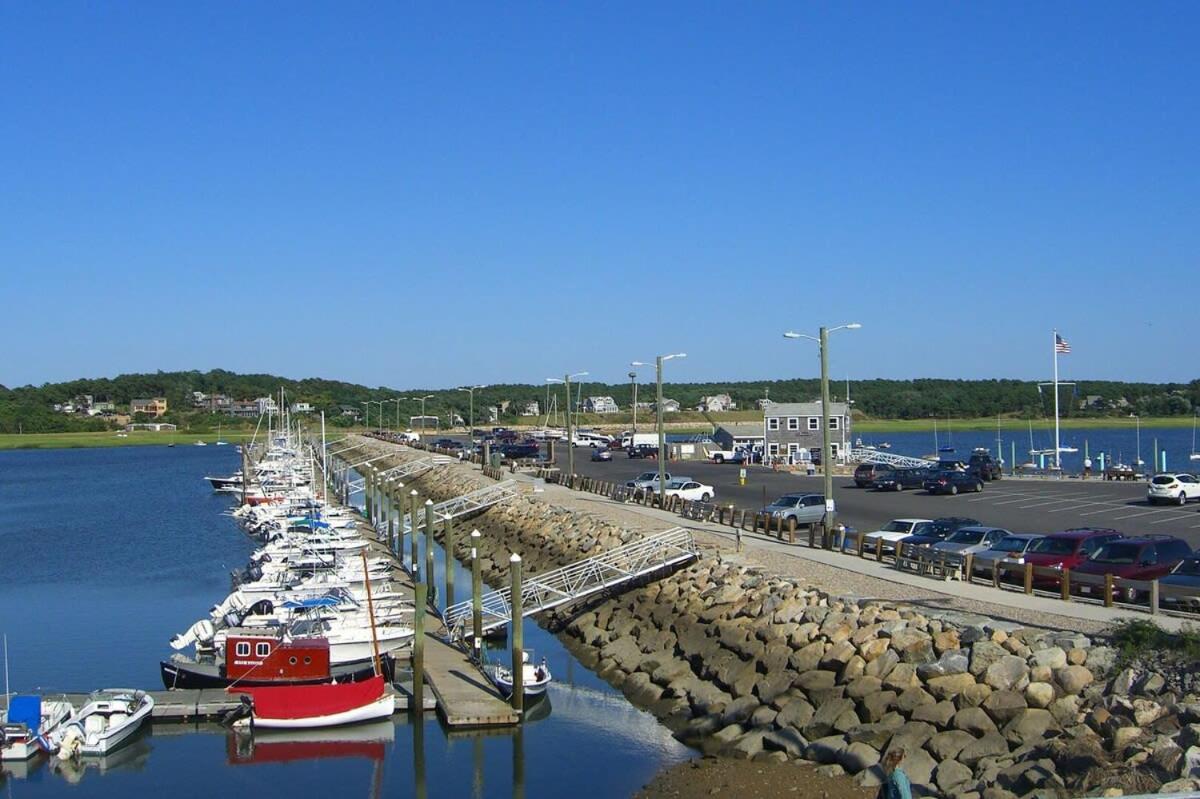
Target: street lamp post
(633,384)
(422,401)
(471,414)
(566,380)
(658,415)
(826,447)
(367,421)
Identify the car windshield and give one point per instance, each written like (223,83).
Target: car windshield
(896,526)
(1011,544)
(1053,546)
(1163,480)
(1117,553)
(966,536)
(1189,566)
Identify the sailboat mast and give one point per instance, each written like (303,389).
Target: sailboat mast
(1057,440)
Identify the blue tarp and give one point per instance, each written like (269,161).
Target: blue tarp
(26,710)
(318,602)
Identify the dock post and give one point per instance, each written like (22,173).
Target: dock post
(448,544)
(400,505)
(367,487)
(412,523)
(476,591)
(418,650)
(429,544)
(518,634)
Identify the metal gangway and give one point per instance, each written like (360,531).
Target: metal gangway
(471,502)
(864,455)
(401,472)
(540,592)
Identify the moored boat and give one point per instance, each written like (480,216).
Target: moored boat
(535,678)
(308,706)
(28,722)
(107,720)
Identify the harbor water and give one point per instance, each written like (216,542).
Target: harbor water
(107,553)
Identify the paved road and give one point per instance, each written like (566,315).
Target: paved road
(1035,506)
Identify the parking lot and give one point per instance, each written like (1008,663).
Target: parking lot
(1020,505)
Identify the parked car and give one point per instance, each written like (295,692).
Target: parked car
(602,454)
(900,479)
(647,480)
(984,465)
(894,531)
(688,489)
(1145,558)
(1009,550)
(513,451)
(940,529)
(1177,488)
(1066,550)
(642,451)
(1186,574)
(735,455)
(952,481)
(804,508)
(866,474)
(971,540)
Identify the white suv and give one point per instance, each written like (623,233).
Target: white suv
(1177,488)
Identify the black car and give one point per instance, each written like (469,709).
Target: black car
(643,451)
(984,465)
(517,451)
(940,529)
(952,481)
(867,473)
(900,479)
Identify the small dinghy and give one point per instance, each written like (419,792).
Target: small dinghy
(297,707)
(108,720)
(535,678)
(28,723)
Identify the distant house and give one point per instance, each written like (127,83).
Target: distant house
(245,409)
(669,406)
(100,408)
(716,404)
(493,413)
(302,407)
(532,408)
(266,404)
(199,399)
(600,405)
(762,403)
(736,435)
(154,427)
(793,429)
(351,411)
(156,406)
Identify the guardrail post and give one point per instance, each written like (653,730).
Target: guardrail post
(1108,590)
(878,550)
(1154,597)
(518,635)
(812,535)
(1065,584)
(996,573)
(968,567)
(791,530)
(1029,578)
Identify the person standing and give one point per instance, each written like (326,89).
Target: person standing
(1087,468)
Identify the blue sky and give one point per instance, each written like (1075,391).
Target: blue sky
(439,194)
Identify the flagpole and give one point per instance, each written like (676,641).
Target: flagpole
(1057,442)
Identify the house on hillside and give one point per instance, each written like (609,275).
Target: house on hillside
(156,406)
(716,404)
(600,405)
(669,405)
(351,411)
(302,407)
(532,408)
(792,430)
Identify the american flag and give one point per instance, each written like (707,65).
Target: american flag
(1061,345)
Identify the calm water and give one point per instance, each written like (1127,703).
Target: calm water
(1117,443)
(107,553)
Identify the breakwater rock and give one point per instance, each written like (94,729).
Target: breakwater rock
(747,664)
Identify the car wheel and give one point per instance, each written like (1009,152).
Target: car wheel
(1182,500)
(899,486)
(705,497)
(719,459)
(978,487)
(953,490)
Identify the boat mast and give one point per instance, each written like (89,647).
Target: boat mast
(371,605)
(1057,441)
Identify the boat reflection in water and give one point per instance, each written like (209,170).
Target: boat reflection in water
(368,741)
(132,757)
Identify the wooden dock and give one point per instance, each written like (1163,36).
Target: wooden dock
(465,696)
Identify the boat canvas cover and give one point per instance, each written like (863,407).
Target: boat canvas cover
(312,701)
(315,602)
(26,710)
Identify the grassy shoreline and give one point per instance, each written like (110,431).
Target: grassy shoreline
(110,439)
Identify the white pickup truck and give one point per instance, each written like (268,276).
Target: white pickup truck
(738,455)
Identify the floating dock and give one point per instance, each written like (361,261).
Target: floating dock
(465,696)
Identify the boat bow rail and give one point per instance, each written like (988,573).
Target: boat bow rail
(863,455)
(655,553)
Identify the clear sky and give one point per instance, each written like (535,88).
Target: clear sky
(435,194)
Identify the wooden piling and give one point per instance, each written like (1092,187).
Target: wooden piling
(429,544)
(476,591)
(420,591)
(414,503)
(448,544)
(518,634)
(1029,578)
(1065,584)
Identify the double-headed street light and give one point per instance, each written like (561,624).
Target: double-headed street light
(658,413)
(566,380)
(471,430)
(822,340)
(422,401)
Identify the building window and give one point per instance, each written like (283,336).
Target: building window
(834,422)
(834,449)
(793,423)
(814,423)
(772,449)
(242,649)
(262,649)
(793,448)
(772,422)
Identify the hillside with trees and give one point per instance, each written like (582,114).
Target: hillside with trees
(31,408)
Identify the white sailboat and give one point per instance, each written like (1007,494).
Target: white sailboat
(1195,456)
(219,441)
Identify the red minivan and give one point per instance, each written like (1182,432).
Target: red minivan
(1146,558)
(1066,550)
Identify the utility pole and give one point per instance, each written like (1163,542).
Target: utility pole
(633,382)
